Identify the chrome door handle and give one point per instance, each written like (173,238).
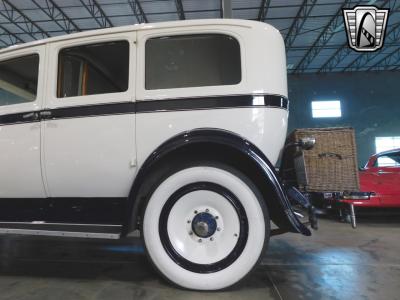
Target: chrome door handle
(30,116)
(383,172)
(45,114)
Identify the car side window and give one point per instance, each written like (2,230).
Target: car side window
(192,61)
(388,161)
(93,69)
(19,79)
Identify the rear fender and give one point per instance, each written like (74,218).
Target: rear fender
(228,147)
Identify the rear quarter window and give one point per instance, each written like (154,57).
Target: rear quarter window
(192,61)
(390,160)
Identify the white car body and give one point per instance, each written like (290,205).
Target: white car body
(78,161)
(77,157)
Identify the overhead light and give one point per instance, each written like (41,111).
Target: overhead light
(326,109)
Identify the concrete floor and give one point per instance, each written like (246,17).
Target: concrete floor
(337,262)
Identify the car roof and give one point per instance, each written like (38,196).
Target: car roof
(392,151)
(140,27)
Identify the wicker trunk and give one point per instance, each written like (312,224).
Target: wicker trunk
(331,166)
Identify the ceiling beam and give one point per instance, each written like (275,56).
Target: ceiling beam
(11,38)
(363,58)
(19,19)
(389,62)
(138,11)
(340,54)
(262,14)
(179,9)
(55,13)
(97,13)
(345,50)
(335,25)
(297,25)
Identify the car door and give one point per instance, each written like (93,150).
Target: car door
(89,122)
(21,92)
(388,172)
(395,199)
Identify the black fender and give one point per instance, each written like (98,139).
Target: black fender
(202,140)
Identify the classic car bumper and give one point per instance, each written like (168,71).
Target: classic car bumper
(327,201)
(356,196)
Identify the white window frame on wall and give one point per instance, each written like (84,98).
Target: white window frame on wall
(326,109)
(384,143)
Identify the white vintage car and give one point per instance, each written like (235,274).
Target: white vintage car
(171,128)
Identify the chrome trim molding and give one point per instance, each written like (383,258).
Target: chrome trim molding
(60,233)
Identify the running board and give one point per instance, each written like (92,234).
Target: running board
(62,230)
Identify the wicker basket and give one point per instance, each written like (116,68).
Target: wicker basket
(331,166)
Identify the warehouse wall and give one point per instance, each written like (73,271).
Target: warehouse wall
(370,104)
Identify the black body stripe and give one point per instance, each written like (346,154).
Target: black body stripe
(17,118)
(92,110)
(148,106)
(211,103)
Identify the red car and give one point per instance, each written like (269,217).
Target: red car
(381,176)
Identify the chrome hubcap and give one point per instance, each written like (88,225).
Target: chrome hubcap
(204,225)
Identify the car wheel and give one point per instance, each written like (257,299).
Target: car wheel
(205,226)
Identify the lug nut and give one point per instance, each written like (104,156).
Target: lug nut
(216,218)
(200,240)
(207,210)
(189,221)
(235,235)
(211,239)
(218,229)
(190,233)
(195,212)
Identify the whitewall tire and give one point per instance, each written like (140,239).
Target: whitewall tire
(205,226)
